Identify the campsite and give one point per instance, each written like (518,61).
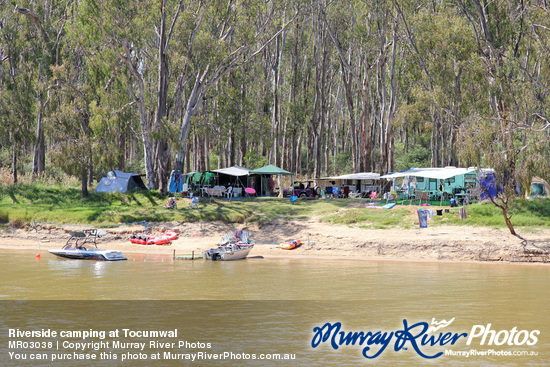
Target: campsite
(269,177)
(273,216)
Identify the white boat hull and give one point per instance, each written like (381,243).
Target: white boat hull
(91,254)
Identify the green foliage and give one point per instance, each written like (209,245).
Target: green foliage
(4,217)
(254,160)
(343,163)
(416,154)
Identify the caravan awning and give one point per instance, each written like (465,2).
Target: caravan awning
(233,171)
(355,176)
(435,173)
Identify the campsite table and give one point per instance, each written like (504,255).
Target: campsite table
(214,191)
(237,192)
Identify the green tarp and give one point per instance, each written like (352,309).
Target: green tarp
(201,178)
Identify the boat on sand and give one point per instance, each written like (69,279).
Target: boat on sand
(231,247)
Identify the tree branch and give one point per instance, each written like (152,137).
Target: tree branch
(173,24)
(37,24)
(541,26)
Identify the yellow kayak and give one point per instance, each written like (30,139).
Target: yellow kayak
(290,245)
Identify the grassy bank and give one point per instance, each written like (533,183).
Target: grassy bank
(20,204)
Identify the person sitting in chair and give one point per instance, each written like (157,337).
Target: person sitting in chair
(171,203)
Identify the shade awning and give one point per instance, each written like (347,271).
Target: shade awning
(435,173)
(355,176)
(270,170)
(233,171)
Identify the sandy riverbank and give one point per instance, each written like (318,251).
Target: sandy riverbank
(436,243)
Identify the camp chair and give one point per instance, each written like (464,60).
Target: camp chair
(392,196)
(226,239)
(423,198)
(293,199)
(194,202)
(372,197)
(229,192)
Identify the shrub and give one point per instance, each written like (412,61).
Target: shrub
(4,217)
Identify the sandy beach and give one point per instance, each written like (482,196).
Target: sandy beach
(319,241)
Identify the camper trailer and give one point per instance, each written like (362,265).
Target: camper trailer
(539,188)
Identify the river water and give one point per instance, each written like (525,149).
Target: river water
(258,307)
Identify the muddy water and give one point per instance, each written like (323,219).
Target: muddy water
(273,305)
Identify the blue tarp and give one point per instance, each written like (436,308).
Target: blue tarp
(488,182)
(176,182)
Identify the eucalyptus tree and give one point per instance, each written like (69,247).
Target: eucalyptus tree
(368,46)
(140,34)
(46,21)
(509,132)
(69,122)
(296,84)
(347,48)
(441,43)
(226,36)
(19,75)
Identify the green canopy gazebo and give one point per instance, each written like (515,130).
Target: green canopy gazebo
(269,170)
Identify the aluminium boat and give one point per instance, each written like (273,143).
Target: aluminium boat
(233,251)
(230,248)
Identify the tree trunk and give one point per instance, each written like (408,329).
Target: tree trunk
(39,158)
(393,98)
(14,165)
(275,122)
(206,152)
(163,150)
(84,182)
(508,222)
(298,160)
(145,123)
(347,81)
(194,102)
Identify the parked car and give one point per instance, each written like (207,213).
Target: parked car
(302,189)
